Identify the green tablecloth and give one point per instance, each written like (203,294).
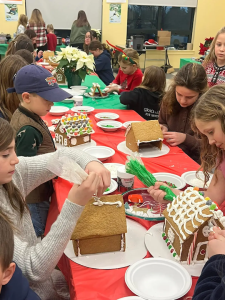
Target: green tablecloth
(184,61)
(58,47)
(3,49)
(111,102)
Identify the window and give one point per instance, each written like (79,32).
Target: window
(147,20)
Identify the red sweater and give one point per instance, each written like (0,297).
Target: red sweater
(128,82)
(52,41)
(210,71)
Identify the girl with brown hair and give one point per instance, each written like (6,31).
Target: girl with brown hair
(37,24)
(145,98)
(21,41)
(79,29)
(22,24)
(187,86)
(214,62)
(18,177)
(9,66)
(102,61)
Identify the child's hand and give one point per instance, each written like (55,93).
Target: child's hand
(113,89)
(163,128)
(216,230)
(103,173)
(174,138)
(216,245)
(83,193)
(156,193)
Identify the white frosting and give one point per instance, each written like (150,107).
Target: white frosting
(86,139)
(197,251)
(140,142)
(122,243)
(205,231)
(61,129)
(98,202)
(171,235)
(73,141)
(185,209)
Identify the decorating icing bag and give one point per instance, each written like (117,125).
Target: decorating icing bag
(135,166)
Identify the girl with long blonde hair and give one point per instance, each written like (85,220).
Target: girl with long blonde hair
(214,62)
(22,24)
(37,24)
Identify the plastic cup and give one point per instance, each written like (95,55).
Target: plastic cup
(78,100)
(125,180)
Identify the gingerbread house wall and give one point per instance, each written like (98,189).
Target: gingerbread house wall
(131,141)
(62,138)
(98,244)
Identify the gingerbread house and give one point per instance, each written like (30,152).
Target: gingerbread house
(101,227)
(73,130)
(96,91)
(144,134)
(188,222)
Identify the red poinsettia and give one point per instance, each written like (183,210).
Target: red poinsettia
(206,45)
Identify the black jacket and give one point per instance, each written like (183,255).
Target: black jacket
(144,102)
(18,288)
(103,67)
(211,283)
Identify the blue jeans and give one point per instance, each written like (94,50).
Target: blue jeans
(39,213)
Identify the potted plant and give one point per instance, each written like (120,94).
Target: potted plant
(204,47)
(75,63)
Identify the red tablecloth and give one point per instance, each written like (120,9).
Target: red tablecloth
(86,283)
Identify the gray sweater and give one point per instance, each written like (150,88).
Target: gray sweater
(37,260)
(77,34)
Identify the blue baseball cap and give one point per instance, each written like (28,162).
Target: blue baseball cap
(38,80)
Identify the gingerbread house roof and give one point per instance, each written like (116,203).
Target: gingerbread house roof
(188,212)
(147,131)
(100,221)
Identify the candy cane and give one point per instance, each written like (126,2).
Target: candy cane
(191,249)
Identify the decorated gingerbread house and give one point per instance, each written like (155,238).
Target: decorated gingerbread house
(101,227)
(144,134)
(73,130)
(188,222)
(96,91)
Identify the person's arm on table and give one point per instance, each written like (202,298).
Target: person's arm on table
(129,97)
(216,189)
(35,172)
(158,194)
(38,262)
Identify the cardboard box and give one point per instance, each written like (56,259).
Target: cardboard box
(164,38)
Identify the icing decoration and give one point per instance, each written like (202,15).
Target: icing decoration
(122,243)
(135,166)
(98,202)
(206,231)
(73,141)
(170,247)
(191,249)
(184,209)
(171,235)
(86,139)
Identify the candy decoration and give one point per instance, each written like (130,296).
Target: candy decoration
(196,188)
(212,206)
(202,252)
(191,249)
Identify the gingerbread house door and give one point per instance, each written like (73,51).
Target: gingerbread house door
(201,251)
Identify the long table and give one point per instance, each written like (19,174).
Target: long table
(184,61)
(111,102)
(86,283)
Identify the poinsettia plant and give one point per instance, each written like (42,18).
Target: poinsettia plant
(74,60)
(204,47)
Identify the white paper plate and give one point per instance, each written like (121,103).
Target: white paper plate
(158,279)
(147,152)
(191,179)
(112,167)
(172,178)
(43,63)
(131,298)
(158,248)
(83,109)
(82,147)
(58,110)
(68,100)
(100,152)
(74,92)
(106,116)
(116,125)
(78,87)
(135,250)
(112,188)
(126,124)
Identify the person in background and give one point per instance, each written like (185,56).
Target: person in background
(103,67)
(145,99)
(211,285)
(214,62)
(18,177)
(51,37)
(37,24)
(21,41)
(94,35)
(87,41)
(37,97)
(187,86)
(9,66)
(13,285)
(32,35)
(129,75)
(79,29)
(26,55)
(22,24)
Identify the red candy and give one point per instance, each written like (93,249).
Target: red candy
(135,198)
(164,238)
(168,244)
(171,251)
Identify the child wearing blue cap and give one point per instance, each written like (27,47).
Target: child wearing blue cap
(37,90)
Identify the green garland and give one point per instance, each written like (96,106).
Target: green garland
(133,166)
